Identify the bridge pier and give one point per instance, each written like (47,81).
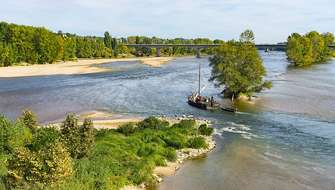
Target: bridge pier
(198,52)
(158,52)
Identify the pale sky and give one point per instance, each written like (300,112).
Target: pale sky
(271,21)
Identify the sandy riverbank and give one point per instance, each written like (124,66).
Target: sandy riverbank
(82,66)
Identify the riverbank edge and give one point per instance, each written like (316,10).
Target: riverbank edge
(80,66)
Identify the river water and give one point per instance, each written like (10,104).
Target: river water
(284,140)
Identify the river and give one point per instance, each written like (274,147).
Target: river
(284,140)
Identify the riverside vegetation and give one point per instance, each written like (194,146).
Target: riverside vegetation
(37,45)
(308,49)
(74,155)
(238,67)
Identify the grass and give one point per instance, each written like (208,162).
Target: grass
(119,157)
(127,156)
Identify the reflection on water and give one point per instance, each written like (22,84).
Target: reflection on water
(285,140)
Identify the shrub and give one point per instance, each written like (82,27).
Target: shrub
(127,129)
(187,123)
(29,119)
(153,123)
(38,169)
(170,154)
(146,150)
(86,133)
(197,142)
(174,140)
(43,137)
(204,130)
(78,139)
(159,160)
(13,135)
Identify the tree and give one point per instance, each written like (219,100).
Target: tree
(309,49)
(13,135)
(38,169)
(78,139)
(238,67)
(247,36)
(114,47)
(29,119)
(70,135)
(108,40)
(87,138)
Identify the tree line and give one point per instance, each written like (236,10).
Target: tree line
(38,45)
(308,49)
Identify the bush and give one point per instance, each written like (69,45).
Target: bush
(77,139)
(187,123)
(43,137)
(127,129)
(170,154)
(153,123)
(13,135)
(174,140)
(185,127)
(29,119)
(204,130)
(39,169)
(197,142)
(146,150)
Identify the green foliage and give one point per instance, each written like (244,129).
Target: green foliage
(43,137)
(170,154)
(29,119)
(86,132)
(153,123)
(247,36)
(37,45)
(41,159)
(238,67)
(309,49)
(13,135)
(108,40)
(78,139)
(38,169)
(197,142)
(127,129)
(205,130)
(70,135)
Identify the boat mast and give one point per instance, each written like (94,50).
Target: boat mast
(199,79)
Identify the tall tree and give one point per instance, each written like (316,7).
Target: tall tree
(247,36)
(108,40)
(238,67)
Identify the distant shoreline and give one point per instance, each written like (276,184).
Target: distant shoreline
(81,66)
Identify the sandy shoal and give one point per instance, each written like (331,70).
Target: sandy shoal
(81,66)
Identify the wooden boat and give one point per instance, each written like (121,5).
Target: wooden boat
(202,102)
(206,103)
(229,109)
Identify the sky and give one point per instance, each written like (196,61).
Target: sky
(271,20)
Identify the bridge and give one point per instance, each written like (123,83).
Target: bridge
(198,47)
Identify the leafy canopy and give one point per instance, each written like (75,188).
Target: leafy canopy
(311,48)
(238,67)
